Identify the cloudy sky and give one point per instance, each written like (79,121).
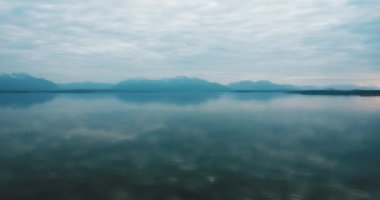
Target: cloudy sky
(296,41)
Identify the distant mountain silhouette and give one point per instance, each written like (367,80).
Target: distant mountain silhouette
(86,86)
(260,86)
(338,92)
(177,84)
(24,82)
(348,87)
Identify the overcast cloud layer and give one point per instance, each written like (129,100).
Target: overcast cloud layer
(298,41)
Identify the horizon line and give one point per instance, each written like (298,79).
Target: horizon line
(189,77)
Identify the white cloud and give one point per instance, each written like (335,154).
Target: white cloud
(170,37)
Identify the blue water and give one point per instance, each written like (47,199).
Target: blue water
(189,146)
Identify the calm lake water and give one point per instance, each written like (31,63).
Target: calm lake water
(174,146)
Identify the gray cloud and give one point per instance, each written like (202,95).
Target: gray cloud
(221,40)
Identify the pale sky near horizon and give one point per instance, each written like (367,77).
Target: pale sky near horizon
(304,42)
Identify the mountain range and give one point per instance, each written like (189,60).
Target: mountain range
(260,86)
(85,86)
(169,85)
(25,82)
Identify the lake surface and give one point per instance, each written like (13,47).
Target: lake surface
(174,146)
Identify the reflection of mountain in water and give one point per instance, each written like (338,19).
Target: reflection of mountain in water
(23,100)
(176,98)
(257,96)
(79,150)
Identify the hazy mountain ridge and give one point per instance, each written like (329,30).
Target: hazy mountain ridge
(25,82)
(264,85)
(169,84)
(22,81)
(86,86)
(260,85)
(349,87)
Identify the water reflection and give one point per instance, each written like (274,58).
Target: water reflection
(291,147)
(22,100)
(177,98)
